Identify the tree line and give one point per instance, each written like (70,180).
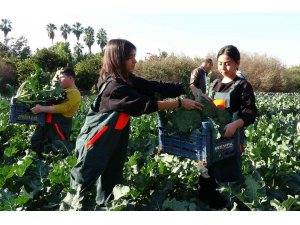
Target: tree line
(77,29)
(265,73)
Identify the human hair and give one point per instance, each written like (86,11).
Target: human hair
(230,51)
(115,54)
(68,71)
(208,60)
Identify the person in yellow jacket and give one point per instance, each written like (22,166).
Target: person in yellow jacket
(58,124)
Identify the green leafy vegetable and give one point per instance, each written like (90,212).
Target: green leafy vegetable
(189,120)
(37,88)
(218,117)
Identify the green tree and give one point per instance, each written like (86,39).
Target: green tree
(3,49)
(6,27)
(77,30)
(64,52)
(293,78)
(7,76)
(102,39)
(19,48)
(78,51)
(25,68)
(65,30)
(89,38)
(87,72)
(48,60)
(50,29)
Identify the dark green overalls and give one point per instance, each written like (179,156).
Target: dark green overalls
(228,170)
(56,131)
(101,149)
(225,171)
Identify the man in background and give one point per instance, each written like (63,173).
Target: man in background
(200,77)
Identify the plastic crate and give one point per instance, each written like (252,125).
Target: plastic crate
(198,146)
(225,148)
(21,113)
(194,145)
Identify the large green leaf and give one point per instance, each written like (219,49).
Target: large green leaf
(22,165)
(252,187)
(291,203)
(173,204)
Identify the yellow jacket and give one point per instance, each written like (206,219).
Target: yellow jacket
(69,107)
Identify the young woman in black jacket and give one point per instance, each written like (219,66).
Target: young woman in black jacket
(238,97)
(101,146)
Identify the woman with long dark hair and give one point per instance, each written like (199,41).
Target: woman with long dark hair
(101,147)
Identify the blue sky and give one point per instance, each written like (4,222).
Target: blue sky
(191,27)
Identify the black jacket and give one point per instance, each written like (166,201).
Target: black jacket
(138,97)
(242,99)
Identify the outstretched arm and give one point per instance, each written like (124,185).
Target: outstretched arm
(185,103)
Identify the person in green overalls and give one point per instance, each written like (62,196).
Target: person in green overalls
(238,98)
(101,146)
(58,124)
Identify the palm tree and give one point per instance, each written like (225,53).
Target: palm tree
(102,39)
(78,50)
(89,37)
(50,29)
(6,27)
(77,30)
(65,30)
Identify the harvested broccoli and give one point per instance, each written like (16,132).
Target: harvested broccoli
(37,89)
(209,109)
(181,119)
(188,120)
(223,117)
(219,117)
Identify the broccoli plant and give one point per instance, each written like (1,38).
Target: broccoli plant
(37,88)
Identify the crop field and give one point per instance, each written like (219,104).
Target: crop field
(156,181)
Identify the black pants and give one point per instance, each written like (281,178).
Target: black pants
(208,192)
(226,170)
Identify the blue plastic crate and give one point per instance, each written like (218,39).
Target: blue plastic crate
(198,146)
(21,113)
(195,145)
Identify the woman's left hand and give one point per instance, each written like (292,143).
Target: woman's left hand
(231,128)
